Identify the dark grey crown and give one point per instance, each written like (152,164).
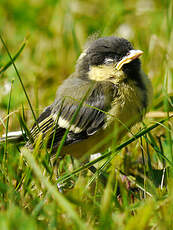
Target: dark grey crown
(107,47)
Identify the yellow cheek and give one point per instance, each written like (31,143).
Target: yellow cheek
(106,72)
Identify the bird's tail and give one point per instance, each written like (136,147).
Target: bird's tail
(12,137)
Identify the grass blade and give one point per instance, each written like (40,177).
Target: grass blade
(4,68)
(21,82)
(59,198)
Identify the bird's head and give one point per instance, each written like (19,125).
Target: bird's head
(109,58)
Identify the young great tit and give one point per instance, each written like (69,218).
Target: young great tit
(114,91)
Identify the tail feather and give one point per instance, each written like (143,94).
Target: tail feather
(12,137)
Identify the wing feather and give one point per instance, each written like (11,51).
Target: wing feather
(89,119)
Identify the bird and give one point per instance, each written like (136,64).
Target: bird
(107,91)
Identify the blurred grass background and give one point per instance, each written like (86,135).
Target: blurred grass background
(55,32)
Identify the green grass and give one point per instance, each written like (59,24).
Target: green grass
(44,39)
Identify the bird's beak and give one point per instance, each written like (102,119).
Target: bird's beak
(132,54)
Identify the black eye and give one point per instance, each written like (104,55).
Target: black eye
(108,60)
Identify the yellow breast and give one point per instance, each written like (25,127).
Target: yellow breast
(127,108)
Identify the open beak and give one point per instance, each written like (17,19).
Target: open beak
(132,54)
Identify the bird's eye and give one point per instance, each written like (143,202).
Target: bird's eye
(108,61)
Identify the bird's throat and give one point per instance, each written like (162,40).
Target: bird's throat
(106,73)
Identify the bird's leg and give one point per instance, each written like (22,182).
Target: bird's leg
(66,185)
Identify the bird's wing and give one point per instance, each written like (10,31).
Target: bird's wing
(88,115)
